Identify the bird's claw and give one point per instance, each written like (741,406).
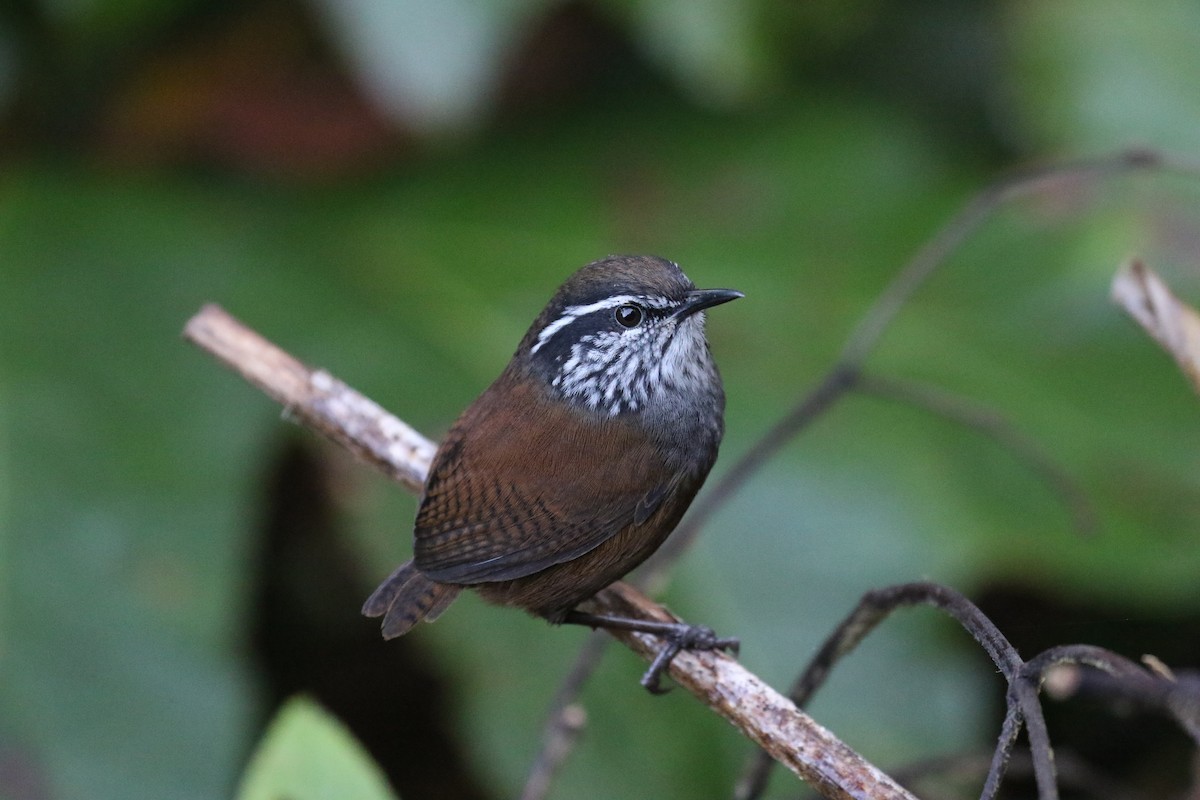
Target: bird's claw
(684,637)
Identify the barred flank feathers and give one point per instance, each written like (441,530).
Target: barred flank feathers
(407,597)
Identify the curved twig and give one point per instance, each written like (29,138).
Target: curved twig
(1113,675)
(874,607)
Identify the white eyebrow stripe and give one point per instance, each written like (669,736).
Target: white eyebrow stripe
(572,313)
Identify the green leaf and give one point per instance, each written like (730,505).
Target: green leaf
(307,754)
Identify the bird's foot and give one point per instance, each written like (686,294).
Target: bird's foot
(684,637)
(677,636)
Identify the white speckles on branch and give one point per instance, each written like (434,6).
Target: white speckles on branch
(390,440)
(406,442)
(314,398)
(322,381)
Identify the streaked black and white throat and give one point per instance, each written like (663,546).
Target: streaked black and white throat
(627,353)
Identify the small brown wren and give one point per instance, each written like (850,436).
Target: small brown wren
(578,461)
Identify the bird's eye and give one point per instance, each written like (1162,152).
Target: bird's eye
(629,315)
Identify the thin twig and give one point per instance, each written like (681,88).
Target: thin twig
(566,720)
(1095,670)
(993,424)
(1010,728)
(316,399)
(977,210)
(1025,696)
(874,607)
(556,746)
(766,717)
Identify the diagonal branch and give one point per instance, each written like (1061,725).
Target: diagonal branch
(317,400)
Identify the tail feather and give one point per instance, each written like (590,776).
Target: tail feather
(406,598)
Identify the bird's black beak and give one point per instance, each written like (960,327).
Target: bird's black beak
(700,299)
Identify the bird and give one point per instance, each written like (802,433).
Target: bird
(577,462)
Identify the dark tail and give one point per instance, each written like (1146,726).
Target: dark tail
(406,598)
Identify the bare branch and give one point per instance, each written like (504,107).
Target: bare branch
(316,399)
(763,715)
(1065,671)
(1070,670)
(873,609)
(562,730)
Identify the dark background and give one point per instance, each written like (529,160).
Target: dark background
(393,189)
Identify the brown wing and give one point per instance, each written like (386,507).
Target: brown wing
(521,484)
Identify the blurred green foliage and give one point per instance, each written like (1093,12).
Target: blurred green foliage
(306,754)
(131,467)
